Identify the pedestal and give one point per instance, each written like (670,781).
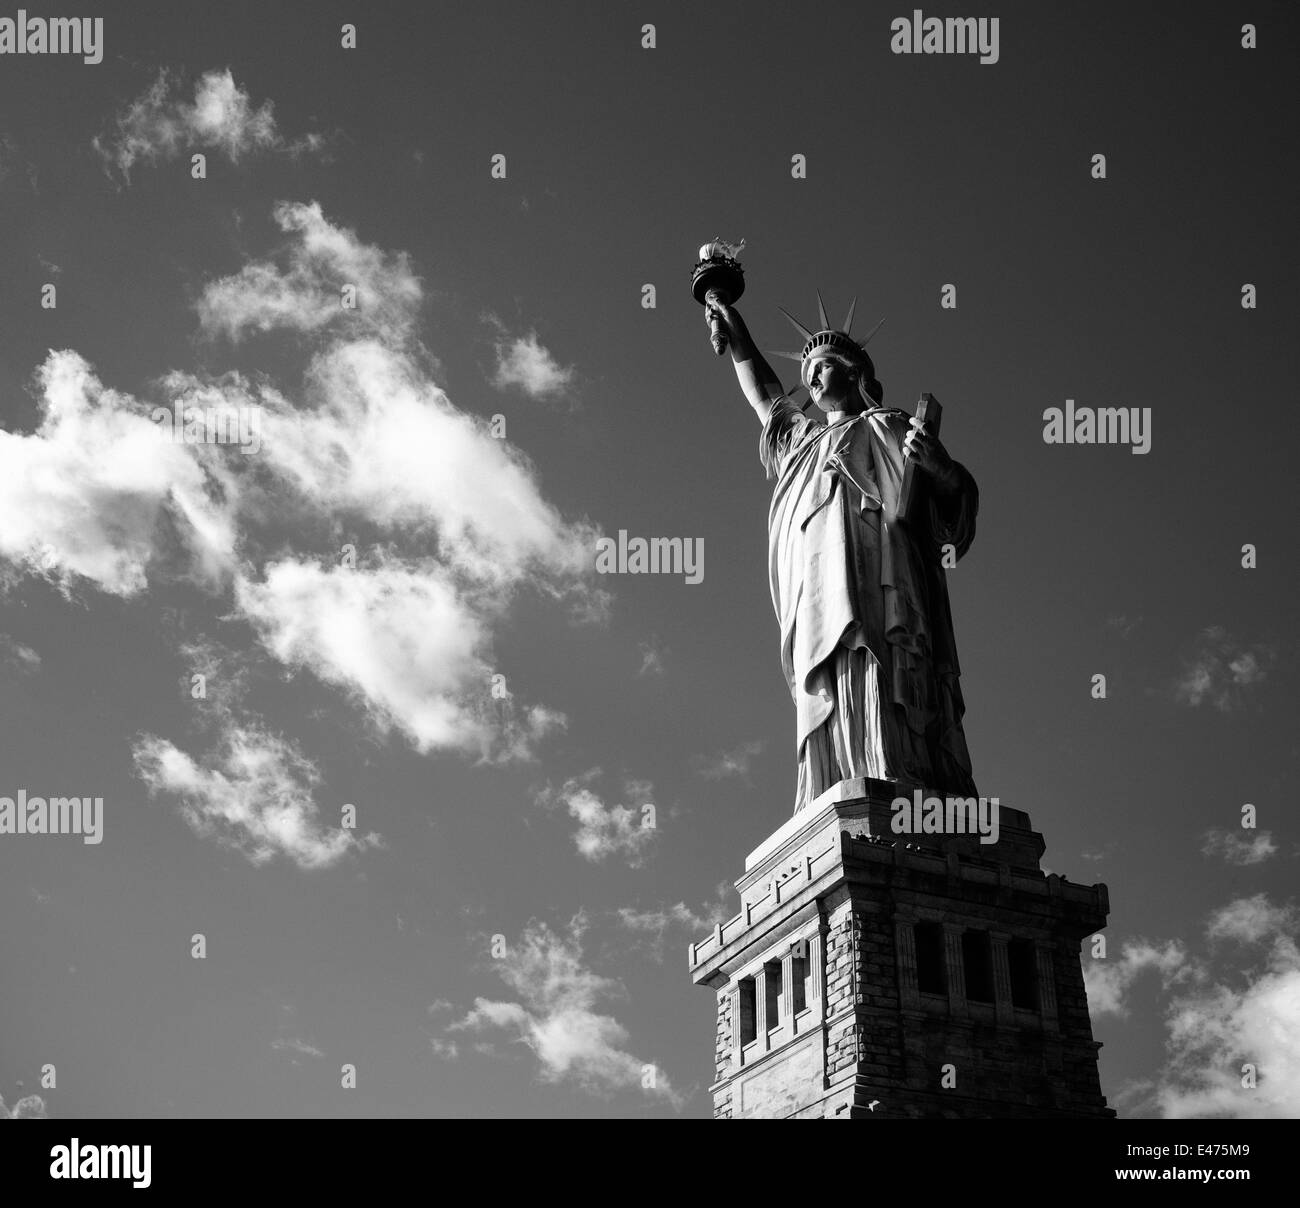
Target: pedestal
(873,975)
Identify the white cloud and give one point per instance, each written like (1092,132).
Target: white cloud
(1222,1011)
(380,440)
(306,294)
(99,493)
(1108,981)
(1221,669)
(408,644)
(377,440)
(1213,1036)
(525,363)
(678,922)
(18,655)
(255,796)
(225,675)
(447,1050)
(665,918)
(556,1015)
(386,443)
(1253,921)
(1252,1018)
(661,918)
(1244,847)
(29,1107)
(159,124)
(604,831)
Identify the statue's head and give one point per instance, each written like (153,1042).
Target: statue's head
(837,347)
(855,366)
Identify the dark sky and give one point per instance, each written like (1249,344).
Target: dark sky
(922,171)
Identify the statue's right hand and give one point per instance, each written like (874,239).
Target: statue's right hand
(713,309)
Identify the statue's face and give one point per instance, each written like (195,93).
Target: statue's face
(831,383)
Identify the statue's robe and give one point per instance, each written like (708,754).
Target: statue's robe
(867,644)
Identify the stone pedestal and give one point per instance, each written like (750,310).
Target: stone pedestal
(872,975)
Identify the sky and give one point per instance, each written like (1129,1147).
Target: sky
(390,595)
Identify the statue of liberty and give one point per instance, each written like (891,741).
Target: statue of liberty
(867,644)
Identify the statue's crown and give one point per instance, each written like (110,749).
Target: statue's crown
(840,341)
(837,340)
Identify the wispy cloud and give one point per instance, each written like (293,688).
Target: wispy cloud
(652,658)
(1255,920)
(1222,670)
(556,1012)
(606,830)
(13,164)
(304,292)
(17,655)
(96,494)
(522,362)
(447,1050)
(1236,1007)
(254,794)
(226,675)
(1251,1018)
(680,922)
(295,1044)
(1109,981)
(160,124)
(1238,847)
(1106,852)
(29,1107)
(408,637)
(663,918)
(407,644)
(736,761)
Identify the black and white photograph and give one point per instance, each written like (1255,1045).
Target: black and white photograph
(648,561)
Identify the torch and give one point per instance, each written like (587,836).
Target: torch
(718,277)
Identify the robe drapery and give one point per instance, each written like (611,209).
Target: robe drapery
(867,645)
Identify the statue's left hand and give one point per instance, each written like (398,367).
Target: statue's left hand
(928,453)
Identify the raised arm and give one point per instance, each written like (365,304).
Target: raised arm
(758,382)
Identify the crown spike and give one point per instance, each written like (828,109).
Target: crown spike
(848,319)
(821,312)
(802,330)
(872,332)
(789,356)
